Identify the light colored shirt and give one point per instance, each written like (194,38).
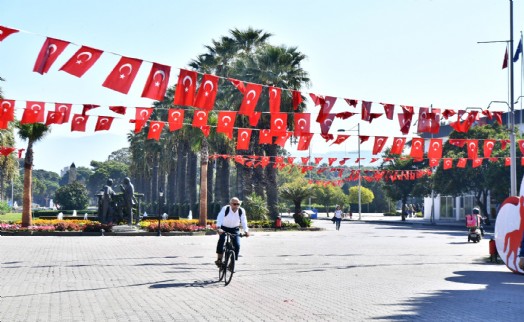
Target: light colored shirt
(233,218)
(338,213)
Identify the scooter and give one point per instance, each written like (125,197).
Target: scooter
(474,234)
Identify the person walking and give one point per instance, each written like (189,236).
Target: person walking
(338,217)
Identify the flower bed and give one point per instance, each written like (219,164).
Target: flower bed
(58,225)
(151,225)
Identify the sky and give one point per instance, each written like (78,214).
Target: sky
(404,52)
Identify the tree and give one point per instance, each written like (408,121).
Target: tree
(402,189)
(123,156)
(296,192)
(72,196)
(366,195)
(490,178)
(104,170)
(329,195)
(32,133)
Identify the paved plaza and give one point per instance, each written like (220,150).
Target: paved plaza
(369,270)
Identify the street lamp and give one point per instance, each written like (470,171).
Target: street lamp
(359,173)
(158,209)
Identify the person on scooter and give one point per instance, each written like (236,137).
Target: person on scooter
(480,220)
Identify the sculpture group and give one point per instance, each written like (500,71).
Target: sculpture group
(115,208)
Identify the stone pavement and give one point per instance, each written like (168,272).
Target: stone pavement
(373,269)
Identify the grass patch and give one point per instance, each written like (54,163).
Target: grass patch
(11,216)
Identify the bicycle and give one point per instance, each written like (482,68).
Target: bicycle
(227,266)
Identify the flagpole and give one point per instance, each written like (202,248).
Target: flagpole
(513,166)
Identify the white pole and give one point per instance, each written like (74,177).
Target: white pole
(359,177)
(513,166)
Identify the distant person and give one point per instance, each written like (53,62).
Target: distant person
(229,219)
(337,217)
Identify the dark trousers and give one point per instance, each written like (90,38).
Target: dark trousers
(235,240)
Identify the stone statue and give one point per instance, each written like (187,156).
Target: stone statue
(129,199)
(106,203)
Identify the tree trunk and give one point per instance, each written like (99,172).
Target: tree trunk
(180,184)
(203,183)
(192,178)
(222,185)
(28,182)
(271,186)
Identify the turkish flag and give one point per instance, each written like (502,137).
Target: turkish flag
(103,123)
(207,92)
(448,113)
(118,109)
(344,115)
(81,61)
(175,118)
(88,107)
(155,129)
(417,148)
(435,149)
(265,137)
(123,75)
(365,111)
(398,146)
(503,144)
(363,138)
(326,106)
(498,117)
(305,160)
(304,141)
(243,137)
(53,117)
(462,163)
(5,31)
(424,122)
(50,51)
(142,115)
(5,151)
(7,110)
(434,162)
(78,123)
(297,99)
(200,118)
(156,83)
(278,123)
(435,120)
(254,118)
(389,109)
(507,161)
(317,99)
(472,149)
(448,163)
(351,102)
(325,125)
(275,94)
(457,142)
(226,121)
(281,139)
(477,162)
(250,99)
(380,141)
(302,123)
(65,109)
(521,146)
(340,138)
(488,147)
(238,84)
(34,113)
(405,122)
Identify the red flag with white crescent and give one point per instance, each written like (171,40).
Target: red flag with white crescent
(81,61)
(473,149)
(302,123)
(265,137)
(297,99)
(488,147)
(278,123)
(78,123)
(380,141)
(398,145)
(103,123)
(185,88)
(6,31)
(417,148)
(325,125)
(7,110)
(281,139)
(325,107)
(123,75)
(175,118)
(461,163)
(156,83)
(226,121)
(205,98)
(521,146)
(340,138)
(448,163)
(435,149)
(274,99)
(53,117)
(49,52)
(118,109)
(243,138)
(389,109)
(34,113)
(250,100)
(155,129)
(200,118)
(65,110)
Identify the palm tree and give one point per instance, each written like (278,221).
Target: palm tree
(32,133)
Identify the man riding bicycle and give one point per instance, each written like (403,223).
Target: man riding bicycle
(229,219)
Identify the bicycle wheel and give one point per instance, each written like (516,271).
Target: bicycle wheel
(221,270)
(229,267)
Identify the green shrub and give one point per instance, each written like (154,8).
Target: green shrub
(4,208)
(255,207)
(72,196)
